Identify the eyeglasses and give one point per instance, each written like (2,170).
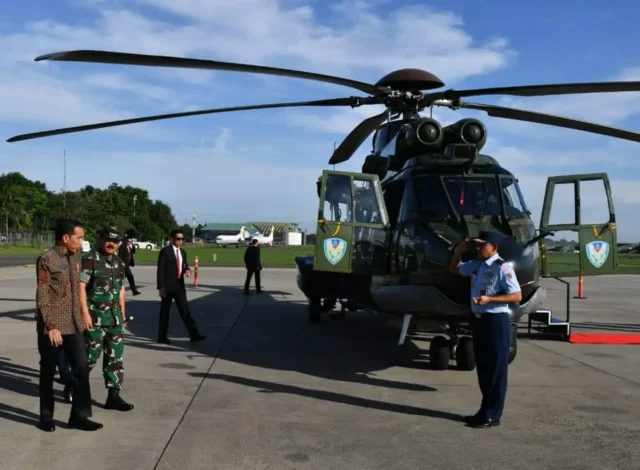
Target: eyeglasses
(179,239)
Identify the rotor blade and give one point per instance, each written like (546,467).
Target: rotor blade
(354,101)
(544,90)
(108,57)
(355,138)
(530,116)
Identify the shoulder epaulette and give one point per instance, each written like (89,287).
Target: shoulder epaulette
(499,261)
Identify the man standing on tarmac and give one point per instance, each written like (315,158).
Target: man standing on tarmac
(102,274)
(493,286)
(253,265)
(59,323)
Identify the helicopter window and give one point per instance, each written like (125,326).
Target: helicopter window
(337,199)
(474,196)
(431,197)
(367,210)
(513,200)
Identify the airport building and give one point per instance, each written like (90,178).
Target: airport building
(283,231)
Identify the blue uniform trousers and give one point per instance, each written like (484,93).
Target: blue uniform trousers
(491,341)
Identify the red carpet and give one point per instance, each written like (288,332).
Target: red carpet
(604,338)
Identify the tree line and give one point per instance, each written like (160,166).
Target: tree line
(28,206)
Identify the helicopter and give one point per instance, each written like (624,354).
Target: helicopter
(385,235)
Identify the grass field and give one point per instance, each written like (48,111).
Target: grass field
(564,263)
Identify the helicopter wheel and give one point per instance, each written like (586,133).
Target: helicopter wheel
(315,311)
(439,353)
(465,357)
(513,348)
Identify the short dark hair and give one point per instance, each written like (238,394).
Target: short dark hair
(66,227)
(175,232)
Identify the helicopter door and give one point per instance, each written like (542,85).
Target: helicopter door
(352,224)
(598,242)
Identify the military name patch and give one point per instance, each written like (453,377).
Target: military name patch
(597,252)
(334,249)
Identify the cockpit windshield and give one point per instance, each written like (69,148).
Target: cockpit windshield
(473,196)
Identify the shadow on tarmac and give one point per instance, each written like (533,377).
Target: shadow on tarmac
(269,333)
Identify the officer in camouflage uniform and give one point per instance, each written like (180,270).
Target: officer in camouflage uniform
(102,273)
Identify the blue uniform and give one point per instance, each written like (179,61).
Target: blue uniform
(491,329)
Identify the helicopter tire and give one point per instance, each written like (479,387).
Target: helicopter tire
(439,353)
(513,347)
(465,357)
(315,311)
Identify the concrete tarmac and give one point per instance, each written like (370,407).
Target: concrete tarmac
(268,390)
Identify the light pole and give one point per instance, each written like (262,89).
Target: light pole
(135,196)
(193,229)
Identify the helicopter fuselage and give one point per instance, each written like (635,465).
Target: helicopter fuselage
(435,191)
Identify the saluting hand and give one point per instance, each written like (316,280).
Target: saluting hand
(463,247)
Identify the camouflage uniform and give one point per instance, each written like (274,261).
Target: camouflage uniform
(104,277)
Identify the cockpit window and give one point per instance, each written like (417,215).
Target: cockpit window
(474,196)
(513,200)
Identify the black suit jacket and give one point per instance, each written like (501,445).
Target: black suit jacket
(168,268)
(252,258)
(123,252)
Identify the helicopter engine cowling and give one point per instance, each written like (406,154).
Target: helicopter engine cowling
(420,136)
(467,131)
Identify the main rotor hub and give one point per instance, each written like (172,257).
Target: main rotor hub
(410,80)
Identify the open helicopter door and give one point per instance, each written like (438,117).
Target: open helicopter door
(352,224)
(598,242)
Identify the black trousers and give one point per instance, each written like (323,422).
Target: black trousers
(491,341)
(129,275)
(250,273)
(76,353)
(180,296)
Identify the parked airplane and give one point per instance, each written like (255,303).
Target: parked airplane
(239,239)
(265,240)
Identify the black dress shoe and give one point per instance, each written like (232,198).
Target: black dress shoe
(473,418)
(164,341)
(136,292)
(485,423)
(197,337)
(84,424)
(46,425)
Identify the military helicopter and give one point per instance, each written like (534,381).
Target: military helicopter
(385,235)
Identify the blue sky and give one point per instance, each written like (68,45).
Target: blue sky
(263,164)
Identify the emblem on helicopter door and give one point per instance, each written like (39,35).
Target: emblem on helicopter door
(597,252)
(334,249)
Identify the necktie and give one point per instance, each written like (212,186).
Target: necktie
(178,262)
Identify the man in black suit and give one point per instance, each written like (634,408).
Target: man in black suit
(253,264)
(172,267)
(126,252)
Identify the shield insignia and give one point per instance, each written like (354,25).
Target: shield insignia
(597,252)
(334,249)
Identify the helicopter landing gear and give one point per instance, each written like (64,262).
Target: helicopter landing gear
(458,347)
(439,353)
(442,350)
